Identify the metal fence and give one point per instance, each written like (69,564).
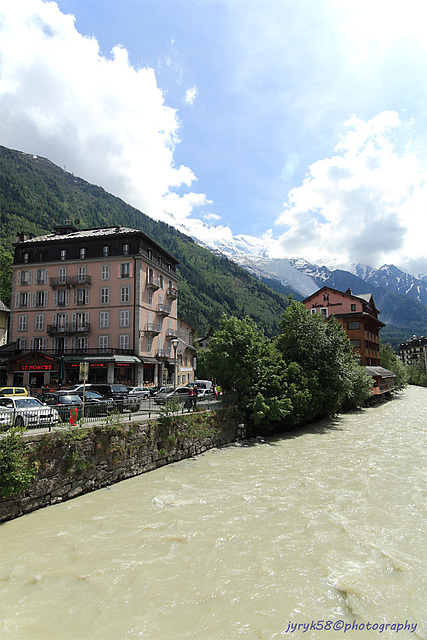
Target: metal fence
(51,417)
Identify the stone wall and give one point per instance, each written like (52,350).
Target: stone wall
(78,460)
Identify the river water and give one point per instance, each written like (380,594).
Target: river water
(325,524)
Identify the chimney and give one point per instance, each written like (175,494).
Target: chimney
(349,291)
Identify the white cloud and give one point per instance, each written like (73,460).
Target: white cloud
(102,118)
(190,96)
(211,216)
(365,204)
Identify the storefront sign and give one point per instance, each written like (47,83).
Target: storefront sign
(36,367)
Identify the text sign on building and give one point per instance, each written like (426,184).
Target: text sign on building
(36,367)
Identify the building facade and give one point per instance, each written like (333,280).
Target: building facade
(107,296)
(414,351)
(357,315)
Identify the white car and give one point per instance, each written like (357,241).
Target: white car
(139,392)
(26,412)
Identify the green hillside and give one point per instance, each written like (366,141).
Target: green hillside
(35,194)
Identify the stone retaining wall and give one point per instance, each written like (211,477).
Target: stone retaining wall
(78,460)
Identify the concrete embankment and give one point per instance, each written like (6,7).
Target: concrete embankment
(75,461)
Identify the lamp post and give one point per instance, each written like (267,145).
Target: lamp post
(175,346)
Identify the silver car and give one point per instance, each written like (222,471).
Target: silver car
(139,392)
(26,412)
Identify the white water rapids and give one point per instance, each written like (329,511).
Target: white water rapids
(327,523)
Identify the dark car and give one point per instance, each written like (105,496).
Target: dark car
(120,394)
(181,393)
(95,404)
(64,403)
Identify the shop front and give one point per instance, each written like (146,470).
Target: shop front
(34,370)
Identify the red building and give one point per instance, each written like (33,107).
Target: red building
(357,314)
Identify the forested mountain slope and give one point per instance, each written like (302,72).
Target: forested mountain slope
(35,194)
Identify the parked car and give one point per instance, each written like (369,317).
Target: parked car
(64,402)
(26,412)
(13,391)
(181,393)
(139,392)
(204,394)
(120,394)
(95,404)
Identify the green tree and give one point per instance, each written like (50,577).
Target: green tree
(243,360)
(417,374)
(390,361)
(324,354)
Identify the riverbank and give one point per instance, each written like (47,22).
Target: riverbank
(78,460)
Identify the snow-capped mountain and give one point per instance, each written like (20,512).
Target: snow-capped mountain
(304,277)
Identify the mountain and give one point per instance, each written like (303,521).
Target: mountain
(35,194)
(400,297)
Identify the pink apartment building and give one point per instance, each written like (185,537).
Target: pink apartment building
(105,296)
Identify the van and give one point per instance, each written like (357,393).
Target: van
(13,391)
(203,384)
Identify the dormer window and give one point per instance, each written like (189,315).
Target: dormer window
(26,257)
(150,254)
(125,249)
(82,253)
(105,251)
(63,254)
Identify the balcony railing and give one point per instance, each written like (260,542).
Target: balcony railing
(152,283)
(171,333)
(171,293)
(163,354)
(163,309)
(70,281)
(152,328)
(72,327)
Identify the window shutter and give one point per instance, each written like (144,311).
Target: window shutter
(31,344)
(65,343)
(46,275)
(131,270)
(44,344)
(30,274)
(55,299)
(75,297)
(46,298)
(16,300)
(18,277)
(67,297)
(35,277)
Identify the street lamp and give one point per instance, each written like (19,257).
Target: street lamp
(175,343)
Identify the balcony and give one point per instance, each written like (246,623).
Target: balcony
(67,328)
(152,329)
(163,354)
(70,281)
(152,283)
(171,293)
(171,334)
(163,310)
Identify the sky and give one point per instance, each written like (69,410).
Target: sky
(302,125)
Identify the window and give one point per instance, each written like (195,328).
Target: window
(63,254)
(312,311)
(81,296)
(149,343)
(104,319)
(355,344)
(125,294)
(103,343)
(62,275)
(353,307)
(39,344)
(125,249)
(82,253)
(41,298)
(24,277)
(106,251)
(62,298)
(39,322)
(41,276)
(160,261)
(124,341)
(23,300)
(26,257)
(150,296)
(22,323)
(81,273)
(104,295)
(105,271)
(161,282)
(21,343)
(82,344)
(125,318)
(125,270)
(353,325)
(150,254)
(324,312)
